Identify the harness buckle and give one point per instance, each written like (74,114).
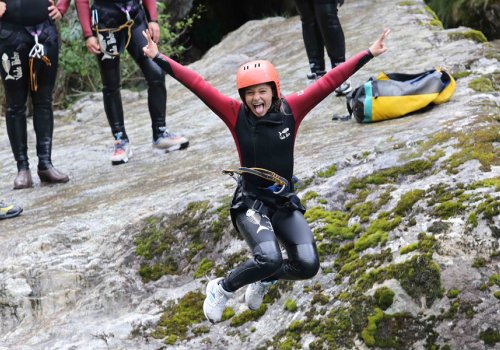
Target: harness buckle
(259,204)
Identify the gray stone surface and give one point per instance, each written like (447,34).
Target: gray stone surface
(68,278)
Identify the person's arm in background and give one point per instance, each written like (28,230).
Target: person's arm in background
(302,102)
(56,12)
(83,10)
(152,15)
(3,8)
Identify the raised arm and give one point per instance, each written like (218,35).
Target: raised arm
(303,101)
(225,107)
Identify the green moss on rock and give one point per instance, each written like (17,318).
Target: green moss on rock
(490,336)
(204,268)
(178,318)
(384,297)
(474,35)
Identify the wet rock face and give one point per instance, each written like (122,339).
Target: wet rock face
(70,269)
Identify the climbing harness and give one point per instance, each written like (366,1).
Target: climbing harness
(280,183)
(101,32)
(36,52)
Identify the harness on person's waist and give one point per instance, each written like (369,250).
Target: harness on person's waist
(105,35)
(280,183)
(37,52)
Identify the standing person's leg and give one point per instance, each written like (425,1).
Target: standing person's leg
(313,40)
(333,36)
(110,75)
(15,77)
(260,237)
(43,116)
(331,30)
(157,91)
(295,235)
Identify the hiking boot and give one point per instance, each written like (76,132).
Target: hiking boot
(168,142)
(316,74)
(53,176)
(23,180)
(216,300)
(9,210)
(255,293)
(121,153)
(343,89)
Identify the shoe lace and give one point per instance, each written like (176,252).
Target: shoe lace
(119,146)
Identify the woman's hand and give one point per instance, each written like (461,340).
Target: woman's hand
(54,11)
(151,49)
(93,45)
(3,8)
(378,47)
(154,30)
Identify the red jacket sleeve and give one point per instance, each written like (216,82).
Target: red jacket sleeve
(303,101)
(62,6)
(150,7)
(83,9)
(225,107)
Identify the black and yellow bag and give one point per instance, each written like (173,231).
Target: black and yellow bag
(394,95)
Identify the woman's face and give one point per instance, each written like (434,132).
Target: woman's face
(259,98)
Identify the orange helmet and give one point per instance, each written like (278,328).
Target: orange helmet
(257,72)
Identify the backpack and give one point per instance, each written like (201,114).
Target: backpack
(394,95)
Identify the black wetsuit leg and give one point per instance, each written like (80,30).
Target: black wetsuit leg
(155,77)
(267,263)
(112,99)
(260,237)
(16,87)
(43,116)
(331,30)
(296,237)
(313,40)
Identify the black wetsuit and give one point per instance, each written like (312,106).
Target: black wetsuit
(321,27)
(262,217)
(112,14)
(22,22)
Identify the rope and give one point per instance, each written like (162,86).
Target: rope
(263,173)
(36,52)
(128,25)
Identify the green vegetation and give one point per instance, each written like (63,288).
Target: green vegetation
(409,248)
(407,201)
(290,305)
(453,293)
(178,318)
(204,268)
(482,84)
(329,172)
(490,336)
(462,74)
(474,35)
(384,297)
(168,244)
(390,175)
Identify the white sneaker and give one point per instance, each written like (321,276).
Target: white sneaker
(169,142)
(216,300)
(121,153)
(343,89)
(255,293)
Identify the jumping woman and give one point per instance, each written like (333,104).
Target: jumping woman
(265,209)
